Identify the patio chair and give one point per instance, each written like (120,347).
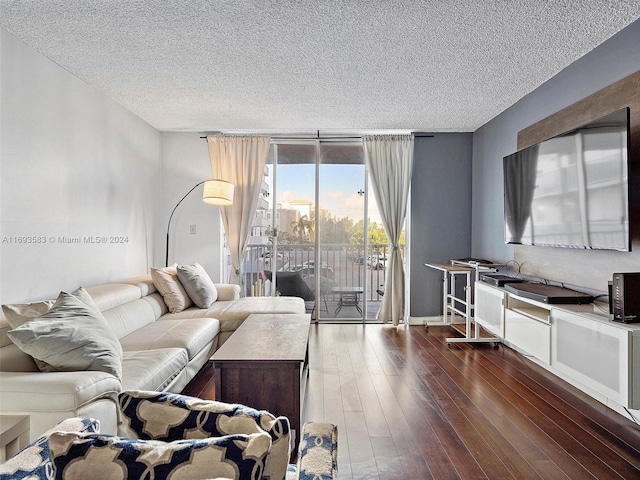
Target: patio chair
(292,284)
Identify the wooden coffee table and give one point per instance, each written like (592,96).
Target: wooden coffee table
(264,365)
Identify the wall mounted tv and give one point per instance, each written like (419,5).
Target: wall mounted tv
(573,189)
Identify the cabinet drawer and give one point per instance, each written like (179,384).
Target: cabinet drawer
(595,354)
(528,334)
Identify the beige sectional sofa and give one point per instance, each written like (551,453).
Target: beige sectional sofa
(162,351)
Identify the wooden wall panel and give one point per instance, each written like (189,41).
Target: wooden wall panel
(589,268)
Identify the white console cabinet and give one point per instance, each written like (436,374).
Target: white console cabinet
(598,354)
(489,308)
(528,327)
(579,343)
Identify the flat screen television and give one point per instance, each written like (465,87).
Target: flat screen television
(573,189)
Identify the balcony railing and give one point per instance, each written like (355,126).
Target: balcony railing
(340,265)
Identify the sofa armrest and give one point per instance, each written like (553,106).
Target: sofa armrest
(34,461)
(318,452)
(168,417)
(54,391)
(227,291)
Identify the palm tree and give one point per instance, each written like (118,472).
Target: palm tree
(303,227)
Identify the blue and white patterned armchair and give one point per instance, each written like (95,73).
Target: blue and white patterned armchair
(165,434)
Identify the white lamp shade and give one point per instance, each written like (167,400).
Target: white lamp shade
(218,192)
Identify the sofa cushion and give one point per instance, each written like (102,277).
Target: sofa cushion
(192,334)
(72,335)
(152,369)
(232,313)
(143,282)
(34,462)
(156,302)
(167,283)
(166,416)
(265,305)
(110,295)
(12,359)
(128,318)
(227,291)
(104,456)
(197,284)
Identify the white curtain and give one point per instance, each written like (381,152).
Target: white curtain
(241,161)
(389,159)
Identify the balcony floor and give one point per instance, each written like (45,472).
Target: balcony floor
(346,313)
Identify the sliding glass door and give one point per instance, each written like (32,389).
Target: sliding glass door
(312,234)
(341,232)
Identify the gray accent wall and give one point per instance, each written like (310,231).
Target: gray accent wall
(440,214)
(613,60)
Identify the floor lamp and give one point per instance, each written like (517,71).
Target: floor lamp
(215,192)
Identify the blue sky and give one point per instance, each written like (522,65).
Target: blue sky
(339,185)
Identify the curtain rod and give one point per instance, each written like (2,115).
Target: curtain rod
(277,137)
(359,137)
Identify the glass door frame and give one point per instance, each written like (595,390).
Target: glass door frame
(317,143)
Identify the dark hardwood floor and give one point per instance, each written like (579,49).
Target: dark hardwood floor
(409,407)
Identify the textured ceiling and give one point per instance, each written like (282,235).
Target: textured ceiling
(300,65)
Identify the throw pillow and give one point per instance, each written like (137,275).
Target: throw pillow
(82,294)
(172,291)
(169,416)
(17,314)
(318,452)
(71,336)
(198,285)
(238,457)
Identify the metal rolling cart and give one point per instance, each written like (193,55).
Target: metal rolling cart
(453,305)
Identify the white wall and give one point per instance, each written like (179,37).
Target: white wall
(185,163)
(72,164)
